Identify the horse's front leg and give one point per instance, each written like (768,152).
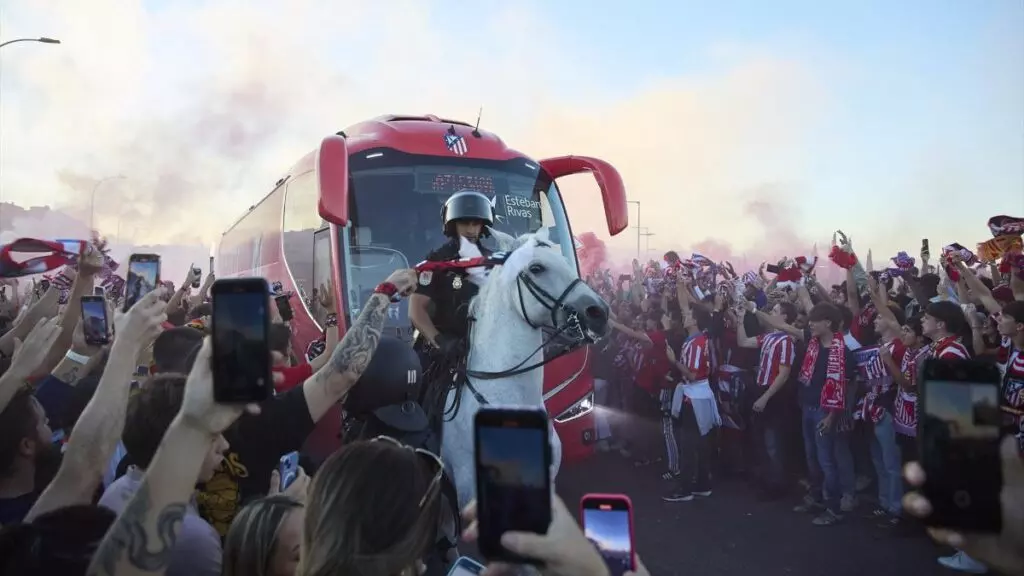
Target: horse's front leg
(556,453)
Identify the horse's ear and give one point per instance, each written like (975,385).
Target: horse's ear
(505,242)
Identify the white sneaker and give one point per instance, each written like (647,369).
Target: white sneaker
(963,563)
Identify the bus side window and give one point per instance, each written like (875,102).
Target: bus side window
(321,270)
(301,220)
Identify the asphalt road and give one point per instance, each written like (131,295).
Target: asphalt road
(730,533)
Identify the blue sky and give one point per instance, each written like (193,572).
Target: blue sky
(891,120)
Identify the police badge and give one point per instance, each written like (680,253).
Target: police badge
(457,282)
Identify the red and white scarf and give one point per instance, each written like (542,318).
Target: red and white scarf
(833,393)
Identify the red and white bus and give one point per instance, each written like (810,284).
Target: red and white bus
(368,201)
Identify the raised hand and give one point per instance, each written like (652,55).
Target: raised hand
(144,321)
(404,280)
(31,352)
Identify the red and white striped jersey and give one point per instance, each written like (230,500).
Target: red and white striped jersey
(950,348)
(778,349)
(696,356)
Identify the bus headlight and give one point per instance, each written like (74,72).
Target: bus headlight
(581,407)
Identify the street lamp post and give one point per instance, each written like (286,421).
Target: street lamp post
(92,201)
(637,202)
(41,39)
(647,242)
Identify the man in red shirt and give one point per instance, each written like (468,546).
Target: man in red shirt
(777,352)
(653,368)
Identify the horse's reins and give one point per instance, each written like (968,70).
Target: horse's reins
(554,305)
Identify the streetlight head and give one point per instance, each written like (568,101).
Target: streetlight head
(46,40)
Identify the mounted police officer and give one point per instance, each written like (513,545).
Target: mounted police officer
(439,308)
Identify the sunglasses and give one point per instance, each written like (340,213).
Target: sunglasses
(435,482)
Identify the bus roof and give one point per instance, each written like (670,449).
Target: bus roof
(427,135)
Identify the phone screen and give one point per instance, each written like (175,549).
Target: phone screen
(772,269)
(959,432)
(606,525)
(94,320)
(143,278)
(72,246)
(241,351)
(512,476)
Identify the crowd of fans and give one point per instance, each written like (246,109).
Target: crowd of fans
(116,460)
(814,387)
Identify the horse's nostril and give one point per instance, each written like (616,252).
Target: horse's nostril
(596,313)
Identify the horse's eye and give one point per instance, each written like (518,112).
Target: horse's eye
(536,268)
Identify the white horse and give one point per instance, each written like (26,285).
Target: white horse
(533,291)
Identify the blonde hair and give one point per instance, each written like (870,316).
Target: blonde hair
(363,516)
(249,545)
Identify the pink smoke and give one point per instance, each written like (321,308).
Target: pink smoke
(777,237)
(592,253)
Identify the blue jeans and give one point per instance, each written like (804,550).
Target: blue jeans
(829,460)
(885,454)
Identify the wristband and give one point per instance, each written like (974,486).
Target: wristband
(331,321)
(388,289)
(77,358)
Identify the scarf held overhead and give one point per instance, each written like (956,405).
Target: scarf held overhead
(833,393)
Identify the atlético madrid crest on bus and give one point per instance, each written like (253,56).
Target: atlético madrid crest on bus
(455,143)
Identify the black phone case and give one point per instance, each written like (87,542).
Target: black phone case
(968,479)
(499,552)
(224,392)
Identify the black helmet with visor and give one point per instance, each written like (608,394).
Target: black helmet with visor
(467,205)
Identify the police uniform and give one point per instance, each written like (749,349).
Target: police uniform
(451,290)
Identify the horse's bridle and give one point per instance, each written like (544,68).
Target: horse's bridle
(571,327)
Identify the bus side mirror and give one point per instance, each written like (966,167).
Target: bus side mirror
(332,179)
(613,191)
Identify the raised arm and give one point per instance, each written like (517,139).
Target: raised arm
(99,427)
(143,537)
(352,355)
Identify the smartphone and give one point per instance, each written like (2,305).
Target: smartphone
(924,246)
(288,470)
(512,453)
(95,323)
(466,566)
(197,272)
(959,434)
(44,285)
(98,291)
(241,332)
(75,247)
(608,523)
(772,268)
(143,278)
(284,307)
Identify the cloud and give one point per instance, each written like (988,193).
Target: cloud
(203,105)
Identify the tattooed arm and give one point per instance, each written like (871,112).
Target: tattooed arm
(142,538)
(348,360)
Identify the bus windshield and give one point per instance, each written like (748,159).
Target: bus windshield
(395,202)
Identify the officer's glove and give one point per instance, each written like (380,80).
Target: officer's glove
(446,345)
